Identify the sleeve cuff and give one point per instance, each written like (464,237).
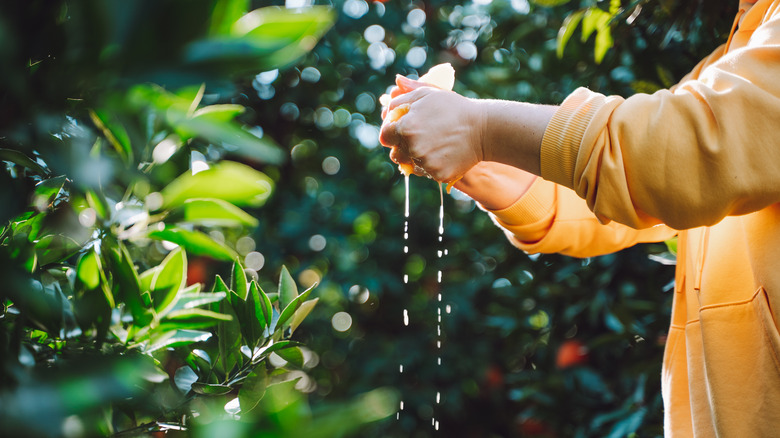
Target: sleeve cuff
(564,133)
(530,217)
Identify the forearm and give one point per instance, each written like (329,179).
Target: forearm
(495,186)
(512,132)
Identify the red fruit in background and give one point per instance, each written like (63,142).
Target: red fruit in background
(532,427)
(197,271)
(494,377)
(571,353)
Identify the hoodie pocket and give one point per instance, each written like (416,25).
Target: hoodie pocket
(739,354)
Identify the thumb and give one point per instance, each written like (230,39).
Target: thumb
(406,85)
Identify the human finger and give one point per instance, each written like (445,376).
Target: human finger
(389,134)
(410,97)
(406,85)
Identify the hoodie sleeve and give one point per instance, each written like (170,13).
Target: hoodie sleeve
(685,157)
(550,218)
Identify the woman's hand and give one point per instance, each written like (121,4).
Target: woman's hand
(441,134)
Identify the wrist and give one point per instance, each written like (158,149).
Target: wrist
(481,133)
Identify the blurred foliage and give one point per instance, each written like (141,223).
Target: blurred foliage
(116,128)
(155,147)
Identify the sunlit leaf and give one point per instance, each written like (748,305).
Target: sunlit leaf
(566,30)
(233,182)
(301,313)
(292,307)
(195,242)
(293,355)
(253,389)
(169,280)
(253,324)
(225,14)
(288,290)
(210,388)
(239,282)
(263,308)
(196,315)
(88,270)
(275,347)
(264,39)
(219,113)
(176,338)
(55,248)
(229,338)
(190,300)
(184,377)
(97,203)
(19,158)
(126,283)
(47,191)
(115,133)
(213,213)
(604,42)
(211,126)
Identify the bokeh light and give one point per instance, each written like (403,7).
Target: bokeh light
(341,321)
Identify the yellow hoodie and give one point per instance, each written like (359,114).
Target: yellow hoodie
(704,158)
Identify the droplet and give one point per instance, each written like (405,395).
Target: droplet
(406,317)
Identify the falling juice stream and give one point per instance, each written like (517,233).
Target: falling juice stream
(440,253)
(406,276)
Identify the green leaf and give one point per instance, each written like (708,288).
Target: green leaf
(210,388)
(253,389)
(55,248)
(567,29)
(195,242)
(591,22)
(233,182)
(97,203)
(263,309)
(210,127)
(88,269)
(301,313)
(213,213)
(288,290)
(176,338)
(604,42)
(238,282)
(47,191)
(293,355)
(264,39)
(126,280)
(18,158)
(115,133)
(291,308)
(190,300)
(225,14)
(219,113)
(169,280)
(275,347)
(220,286)
(229,339)
(196,315)
(184,377)
(252,324)
(146,277)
